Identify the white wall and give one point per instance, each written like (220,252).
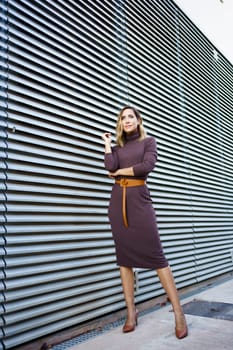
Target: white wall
(214,19)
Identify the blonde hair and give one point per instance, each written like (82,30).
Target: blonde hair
(120,134)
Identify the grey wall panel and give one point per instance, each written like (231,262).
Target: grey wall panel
(3,157)
(67,68)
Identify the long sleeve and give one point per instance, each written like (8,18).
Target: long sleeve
(149,159)
(111,161)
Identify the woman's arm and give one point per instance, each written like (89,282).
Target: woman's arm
(122,172)
(107,141)
(149,159)
(143,168)
(110,158)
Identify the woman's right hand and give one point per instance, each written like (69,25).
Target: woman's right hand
(107,137)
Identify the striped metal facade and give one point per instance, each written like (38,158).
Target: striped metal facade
(67,67)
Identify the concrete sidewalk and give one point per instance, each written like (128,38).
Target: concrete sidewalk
(156,329)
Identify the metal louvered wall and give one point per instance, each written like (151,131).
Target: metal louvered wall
(67,67)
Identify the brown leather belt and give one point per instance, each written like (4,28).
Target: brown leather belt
(124,183)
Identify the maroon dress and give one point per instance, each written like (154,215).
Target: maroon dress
(137,245)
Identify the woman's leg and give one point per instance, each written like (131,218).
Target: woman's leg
(127,279)
(168,283)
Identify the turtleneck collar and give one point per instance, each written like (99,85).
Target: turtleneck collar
(132,137)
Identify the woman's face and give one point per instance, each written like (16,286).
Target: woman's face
(129,121)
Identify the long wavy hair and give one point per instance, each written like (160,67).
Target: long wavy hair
(120,134)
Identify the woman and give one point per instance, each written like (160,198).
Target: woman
(132,216)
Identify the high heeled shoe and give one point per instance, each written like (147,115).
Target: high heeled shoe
(181,333)
(130,328)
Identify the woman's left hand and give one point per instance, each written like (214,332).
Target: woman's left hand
(121,172)
(112,175)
